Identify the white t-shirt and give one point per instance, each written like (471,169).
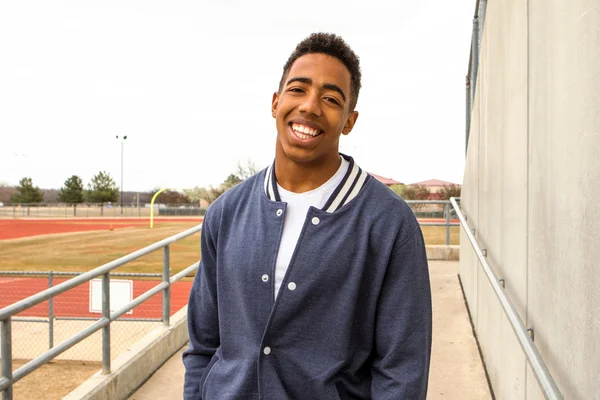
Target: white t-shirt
(295,215)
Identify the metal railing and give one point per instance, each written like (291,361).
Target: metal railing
(10,377)
(540,370)
(51,314)
(447,215)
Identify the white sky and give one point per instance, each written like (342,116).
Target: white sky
(190,83)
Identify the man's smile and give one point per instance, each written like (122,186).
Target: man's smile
(304,132)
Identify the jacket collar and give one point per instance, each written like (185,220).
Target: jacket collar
(354,180)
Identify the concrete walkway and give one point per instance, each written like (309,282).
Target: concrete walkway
(456,370)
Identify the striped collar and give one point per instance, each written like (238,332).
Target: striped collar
(354,180)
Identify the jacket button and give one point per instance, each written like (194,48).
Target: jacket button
(279,212)
(292,286)
(267,350)
(265,278)
(316,220)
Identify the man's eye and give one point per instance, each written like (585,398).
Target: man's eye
(296,90)
(332,100)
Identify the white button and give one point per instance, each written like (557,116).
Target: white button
(265,277)
(316,220)
(279,212)
(267,350)
(292,286)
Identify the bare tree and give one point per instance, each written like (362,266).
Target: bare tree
(416,192)
(209,195)
(247,171)
(450,191)
(6,192)
(171,197)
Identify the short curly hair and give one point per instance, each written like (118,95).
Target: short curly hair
(332,45)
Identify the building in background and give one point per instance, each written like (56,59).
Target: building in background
(385,181)
(435,186)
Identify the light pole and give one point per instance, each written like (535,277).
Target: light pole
(123,138)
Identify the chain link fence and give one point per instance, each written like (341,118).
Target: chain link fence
(50,323)
(89,210)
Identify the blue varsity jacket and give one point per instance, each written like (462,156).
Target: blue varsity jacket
(353,317)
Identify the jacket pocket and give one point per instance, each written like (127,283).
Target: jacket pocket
(209,368)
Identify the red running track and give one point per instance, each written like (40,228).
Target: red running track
(18,228)
(76,302)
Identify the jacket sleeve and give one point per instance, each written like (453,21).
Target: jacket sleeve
(402,348)
(203,319)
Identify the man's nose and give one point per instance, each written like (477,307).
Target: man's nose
(311,104)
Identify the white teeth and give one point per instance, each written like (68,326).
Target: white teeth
(305,130)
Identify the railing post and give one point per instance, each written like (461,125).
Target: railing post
(447,224)
(106,329)
(50,312)
(166,295)
(6,354)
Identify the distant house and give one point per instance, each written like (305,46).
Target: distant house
(435,186)
(385,181)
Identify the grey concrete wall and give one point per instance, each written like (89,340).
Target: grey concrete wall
(134,366)
(531,191)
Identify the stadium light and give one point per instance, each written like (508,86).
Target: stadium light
(123,138)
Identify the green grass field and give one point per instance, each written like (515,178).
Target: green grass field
(437,234)
(87,250)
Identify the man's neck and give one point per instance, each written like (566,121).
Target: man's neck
(303,177)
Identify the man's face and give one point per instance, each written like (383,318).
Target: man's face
(313,109)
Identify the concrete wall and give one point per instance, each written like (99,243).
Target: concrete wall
(134,366)
(532,192)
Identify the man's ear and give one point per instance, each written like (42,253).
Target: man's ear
(274,104)
(350,122)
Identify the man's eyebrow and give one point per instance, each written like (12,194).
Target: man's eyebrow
(300,79)
(336,88)
(308,81)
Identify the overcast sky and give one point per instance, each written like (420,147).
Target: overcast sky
(190,83)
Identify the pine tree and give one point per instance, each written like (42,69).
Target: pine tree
(27,193)
(72,192)
(102,189)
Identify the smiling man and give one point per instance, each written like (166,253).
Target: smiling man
(313,282)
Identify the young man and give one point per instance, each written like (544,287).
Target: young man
(313,282)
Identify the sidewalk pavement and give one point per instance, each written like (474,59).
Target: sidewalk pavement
(456,370)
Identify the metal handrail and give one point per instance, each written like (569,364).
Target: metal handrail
(87,276)
(8,377)
(72,273)
(542,374)
(447,223)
